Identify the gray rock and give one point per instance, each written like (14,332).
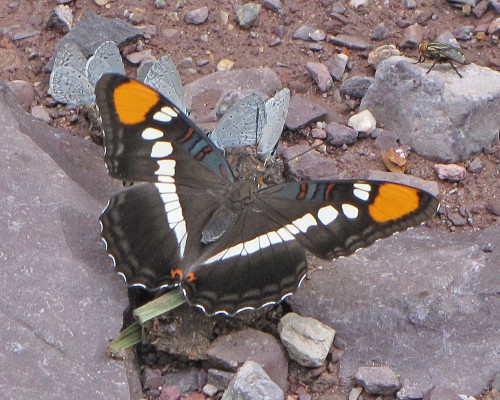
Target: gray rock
(192,379)
(303,32)
(39,112)
(336,65)
(24,92)
(495,4)
(231,351)
(61,300)
(318,35)
(448,37)
(306,163)
(196,17)
(61,19)
(411,4)
(151,378)
(479,10)
(423,301)
(475,165)
(247,14)
(363,122)
(351,42)
(306,339)
(466,33)
(378,380)
(339,134)
(413,36)
(204,95)
(92,30)
(380,32)
(356,87)
(338,8)
(439,115)
(386,140)
(471,3)
(441,393)
(218,378)
(273,5)
(320,74)
(493,207)
(210,390)
(252,383)
(302,112)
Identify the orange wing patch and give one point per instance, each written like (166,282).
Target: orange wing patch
(393,202)
(133,101)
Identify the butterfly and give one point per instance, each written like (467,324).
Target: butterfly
(252,121)
(73,77)
(163,76)
(229,245)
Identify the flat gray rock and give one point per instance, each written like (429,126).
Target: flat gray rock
(439,115)
(424,302)
(92,30)
(61,299)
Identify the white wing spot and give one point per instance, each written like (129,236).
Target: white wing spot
(166,179)
(305,222)
(264,241)
(350,211)
(151,134)
(361,194)
(285,234)
(161,150)
(169,111)
(274,238)
(160,116)
(167,188)
(252,246)
(166,167)
(327,215)
(363,186)
(293,229)
(175,216)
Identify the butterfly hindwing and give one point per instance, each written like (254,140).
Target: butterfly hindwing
(163,76)
(106,59)
(70,86)
(276,112)
(242,124)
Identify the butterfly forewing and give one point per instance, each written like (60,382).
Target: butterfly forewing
(70,86)
(335,218)
(147,137)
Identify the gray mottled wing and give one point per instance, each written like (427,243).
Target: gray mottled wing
(106,59)
(69,86)
(276,112)
(242,124)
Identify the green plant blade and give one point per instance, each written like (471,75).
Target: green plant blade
(159,306)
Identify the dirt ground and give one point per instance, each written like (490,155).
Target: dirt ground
(471,198)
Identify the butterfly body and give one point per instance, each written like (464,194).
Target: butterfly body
(230,244)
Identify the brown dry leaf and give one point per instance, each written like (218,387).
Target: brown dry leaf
(394,161)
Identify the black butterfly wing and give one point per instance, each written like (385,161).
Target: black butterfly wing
(146,136)
(153,230)
(262,258)
(256,263)
(335,218)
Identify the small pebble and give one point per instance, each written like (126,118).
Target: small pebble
(466,33)
(317,35)
(303,32)
(225,65)
(363,122)
(196,17)
(210,390)
(273,5)
(475,165)
(489,247)
(320,74)
(247,14)
(40,113)
(380,32)
(493,207)
(450,172)
(413,36)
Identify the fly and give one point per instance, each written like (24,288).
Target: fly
(440,53)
